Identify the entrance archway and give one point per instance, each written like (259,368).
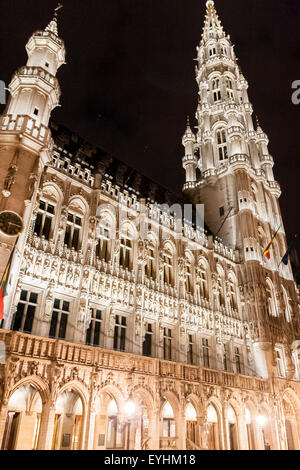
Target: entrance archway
(232,429)
(191,423)
(250,429)
(23,419)
(213,436)
(68,424)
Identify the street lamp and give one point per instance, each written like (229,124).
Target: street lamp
(261,421)
(130,409)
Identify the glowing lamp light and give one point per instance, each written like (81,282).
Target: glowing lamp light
(261,420)
(130,408)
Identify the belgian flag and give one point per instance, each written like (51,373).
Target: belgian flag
(267,250)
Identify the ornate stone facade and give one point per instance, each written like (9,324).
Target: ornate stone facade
(116,340)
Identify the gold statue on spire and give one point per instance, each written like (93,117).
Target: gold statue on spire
(56,10)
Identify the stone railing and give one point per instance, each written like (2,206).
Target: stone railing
(27,126)
(47,349)
(38,72)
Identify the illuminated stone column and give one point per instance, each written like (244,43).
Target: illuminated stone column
(46,428)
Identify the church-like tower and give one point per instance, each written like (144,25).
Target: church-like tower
(229,170)
(25,139)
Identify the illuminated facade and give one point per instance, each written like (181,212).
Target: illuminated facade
(117,341)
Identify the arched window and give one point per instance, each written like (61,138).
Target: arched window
(272,302)
(44,219)
(216,90)
(229,89)
(189,276)
(202,278)
(222,145)
(168,268)
(73,230)
(223,50)
(287,306)
(126,253)
(150,267)
(103,246)
(169,427)
(212,51)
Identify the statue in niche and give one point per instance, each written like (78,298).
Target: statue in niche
(9,180)
(31,187)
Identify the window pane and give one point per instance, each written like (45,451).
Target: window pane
(29,319)
(33,298)
(63,326)
(24,295)
(53,324)
(47,227)
(88,334)
(56,303)
(38,224)
(67,235)
(97,333)
(18,317)
(116,332)
(122,339)
(50,209)
(75,239)
(66,306)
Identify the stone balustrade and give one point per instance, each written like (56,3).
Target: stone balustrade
(27,126)
(47,349)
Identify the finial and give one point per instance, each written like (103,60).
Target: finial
(56,10)
(210,3)
(52,26)
(188,121)
(257,122)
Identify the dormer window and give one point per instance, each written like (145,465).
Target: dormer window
(36,111)
(212,51)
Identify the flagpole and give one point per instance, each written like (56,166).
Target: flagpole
(10,258)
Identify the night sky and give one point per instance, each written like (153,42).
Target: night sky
(129,81)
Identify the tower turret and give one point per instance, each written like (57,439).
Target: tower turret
(189,161)
(25,138)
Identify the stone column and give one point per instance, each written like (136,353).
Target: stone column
(90,430)
(3,416)
(46,428)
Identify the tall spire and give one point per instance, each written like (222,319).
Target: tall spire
(212,25)
(52,26)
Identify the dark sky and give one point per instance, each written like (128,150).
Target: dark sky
(129,81)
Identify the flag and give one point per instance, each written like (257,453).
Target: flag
(285,259)
(267,250)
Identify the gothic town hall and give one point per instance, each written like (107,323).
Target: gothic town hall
(114,340)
